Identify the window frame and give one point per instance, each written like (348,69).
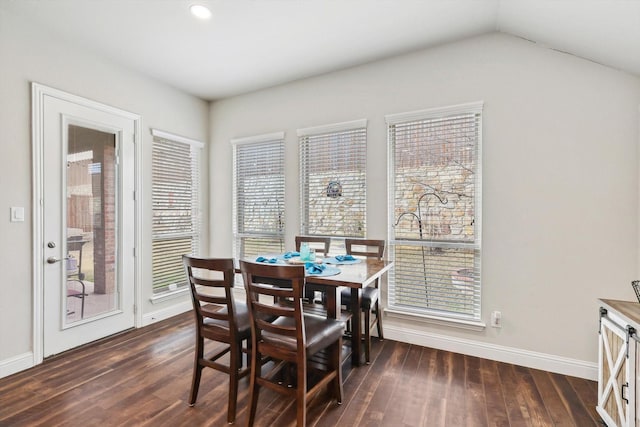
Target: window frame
(196,160)
(278,237)
(466,321)
(304,135)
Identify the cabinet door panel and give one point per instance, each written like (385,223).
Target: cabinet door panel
(614,374)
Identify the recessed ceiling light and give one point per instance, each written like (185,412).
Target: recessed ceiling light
(200,11)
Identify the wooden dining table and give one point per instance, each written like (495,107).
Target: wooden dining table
(355,277)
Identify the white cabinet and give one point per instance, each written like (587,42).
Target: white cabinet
(618,363)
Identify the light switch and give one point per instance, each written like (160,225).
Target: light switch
(17,214)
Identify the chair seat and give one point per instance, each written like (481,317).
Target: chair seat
(319,333)
(368,297)
(220,326)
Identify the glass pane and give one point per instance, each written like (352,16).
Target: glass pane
(255,246)
(444,280)
(91,190)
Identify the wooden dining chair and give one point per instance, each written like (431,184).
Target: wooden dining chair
(369,296)
(289,338)
(322,246)
(218,318)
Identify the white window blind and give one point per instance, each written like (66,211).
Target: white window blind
(258,195)
(434,212)
(333,180)
(176,207)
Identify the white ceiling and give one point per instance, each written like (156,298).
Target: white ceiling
(253,44)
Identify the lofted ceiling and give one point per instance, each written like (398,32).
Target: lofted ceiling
(253,44)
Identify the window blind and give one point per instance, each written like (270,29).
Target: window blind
(333,180)
(259,195)
(435,212)
(176,212)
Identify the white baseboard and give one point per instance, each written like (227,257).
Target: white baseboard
(165,313)
(16,364)
(516,356)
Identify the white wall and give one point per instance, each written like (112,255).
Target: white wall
(29,54)
(560,181)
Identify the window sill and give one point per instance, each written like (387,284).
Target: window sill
(169,295)
(437,320)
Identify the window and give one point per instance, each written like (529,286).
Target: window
(434,212)
(258,198)
(333,180)
(176,207)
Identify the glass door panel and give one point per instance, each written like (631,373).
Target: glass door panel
(91,210)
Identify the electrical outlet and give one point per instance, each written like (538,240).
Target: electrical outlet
(496,319)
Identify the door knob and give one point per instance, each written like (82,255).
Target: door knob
(53,260)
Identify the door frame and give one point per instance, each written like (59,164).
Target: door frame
(38,92)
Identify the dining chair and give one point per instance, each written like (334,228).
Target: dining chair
(322,246)
(370,295)
(289,338)
(218,318)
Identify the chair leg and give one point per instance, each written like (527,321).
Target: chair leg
(82,307)
(301,394)
(254,389)
(379,322)
(197,371)
(234,362)
(84,294)
(336,363)
(367,336)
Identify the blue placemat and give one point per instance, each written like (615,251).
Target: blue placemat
(327,271)
(333,260)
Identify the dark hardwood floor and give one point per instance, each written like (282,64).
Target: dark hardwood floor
(142,377)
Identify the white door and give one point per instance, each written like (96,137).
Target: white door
(88,222)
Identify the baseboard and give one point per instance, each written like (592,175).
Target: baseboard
(516,356)
(16,364)
(165,313)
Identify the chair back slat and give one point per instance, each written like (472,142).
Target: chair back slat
(365,247)
(270,310)
(212,299)
(271,290)
(320,244)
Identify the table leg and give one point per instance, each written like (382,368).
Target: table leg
(356,330)
(333,302)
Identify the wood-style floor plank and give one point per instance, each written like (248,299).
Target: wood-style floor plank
(493,394)
(388,383)
(404,389)
(142,378)
(476,405)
